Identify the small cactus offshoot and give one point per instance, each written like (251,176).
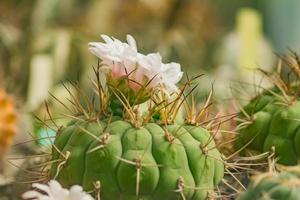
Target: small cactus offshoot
(271,119)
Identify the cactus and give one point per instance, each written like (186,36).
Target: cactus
(116,151)
(143,157)
(7,122)
(149,162)
(272,185)
(271,119)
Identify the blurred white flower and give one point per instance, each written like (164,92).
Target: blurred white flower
(54,191)
(123,59)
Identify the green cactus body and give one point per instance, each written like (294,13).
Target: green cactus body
(285,185)
(152,162)
(272,124)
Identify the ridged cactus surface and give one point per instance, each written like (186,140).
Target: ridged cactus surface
(282,186)
(150,162)
(272,124)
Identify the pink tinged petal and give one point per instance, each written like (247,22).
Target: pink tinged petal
(137,78)
(115,72)
(129,65)
(154,81)
(139,75)
(118,70)
(135,86)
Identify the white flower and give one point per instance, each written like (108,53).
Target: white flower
(54,191)
(123,59)
(166,75)
(118,56)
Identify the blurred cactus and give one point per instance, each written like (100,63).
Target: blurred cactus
(8,124)
(282,24)
(273,185)
(242,52)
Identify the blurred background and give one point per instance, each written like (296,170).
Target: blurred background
(43,46)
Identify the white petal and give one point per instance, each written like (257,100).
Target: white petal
(131,41)
(119,46)
(155,58)
(99,49)
(77,193)
(172,73)
(54,185)
(101,46)
(152,62)
(107,39)
(57,191)
(97,53)
(44,188)
(114,58)
(139,75)
(32,194)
